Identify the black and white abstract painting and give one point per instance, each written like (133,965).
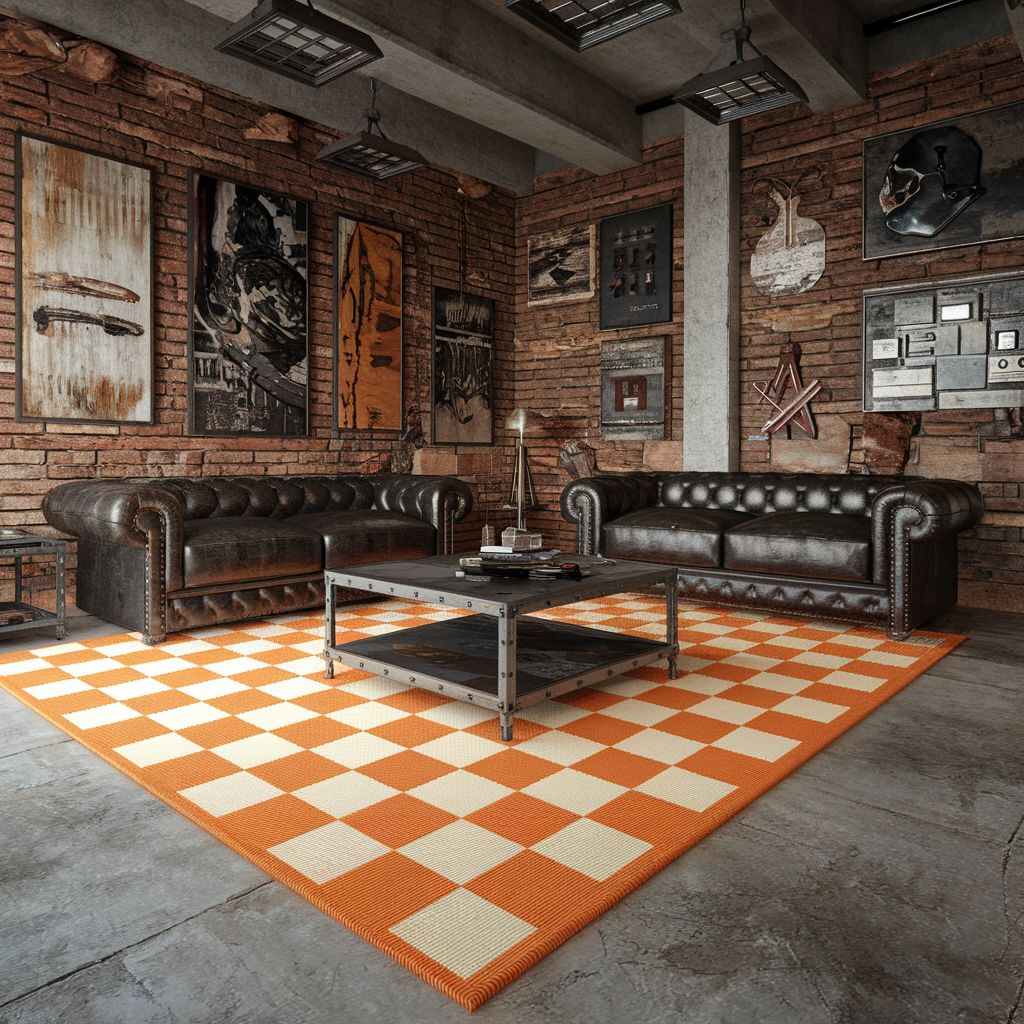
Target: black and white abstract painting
(248,331)
(462,407)
(561,265)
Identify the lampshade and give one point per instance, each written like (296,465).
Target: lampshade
(740,90)
(371,155)
(295,40)
(584,23)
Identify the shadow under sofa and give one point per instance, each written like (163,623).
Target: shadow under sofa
(875,550)
(168,554)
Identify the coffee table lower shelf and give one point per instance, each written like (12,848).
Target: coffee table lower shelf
(459,658)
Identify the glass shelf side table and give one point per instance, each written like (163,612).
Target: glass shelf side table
(17,614)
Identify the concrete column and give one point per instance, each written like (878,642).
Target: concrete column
(711,220)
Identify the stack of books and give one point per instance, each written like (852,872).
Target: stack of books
(505,553)
(537,564)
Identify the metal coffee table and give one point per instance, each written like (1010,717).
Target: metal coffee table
(501,657)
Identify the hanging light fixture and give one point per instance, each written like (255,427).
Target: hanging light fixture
(743,88)
(374,156)
(298,41)
(583,23)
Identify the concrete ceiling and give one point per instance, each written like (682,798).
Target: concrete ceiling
(479,90)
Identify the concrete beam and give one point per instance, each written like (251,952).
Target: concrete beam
(711,221)
(458,56)
(826,52)
(1015,12)
(180,36)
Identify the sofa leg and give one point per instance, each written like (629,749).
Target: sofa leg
(152,641)
(894,634)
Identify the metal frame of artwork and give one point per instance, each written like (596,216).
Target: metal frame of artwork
(561,266)
(975,196)
(633,389)
(84,348)
(248,300)
(462,368)
(945,343)
(369,290)
(636,268)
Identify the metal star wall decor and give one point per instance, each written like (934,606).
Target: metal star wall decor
(797,410)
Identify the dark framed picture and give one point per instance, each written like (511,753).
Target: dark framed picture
(636,268)
(248,337)
(462,404)
(561,265)
(368,269)
(633,389)
(84,298)
(952,183)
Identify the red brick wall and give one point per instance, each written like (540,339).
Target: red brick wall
(170,123)
(558,348)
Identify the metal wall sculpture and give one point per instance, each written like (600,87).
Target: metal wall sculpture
(956,182)
(956,344)
(84,287)
(248,331)
(633,389)
(789,258)
(561,265)
(792,408)
(463,390)
(368,326)
(636,268)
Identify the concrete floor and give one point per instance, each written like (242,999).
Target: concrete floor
(882,883)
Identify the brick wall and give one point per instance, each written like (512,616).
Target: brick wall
(171,123)
(558,349)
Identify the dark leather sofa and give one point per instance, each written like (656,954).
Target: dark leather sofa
(868,549)
(168,554)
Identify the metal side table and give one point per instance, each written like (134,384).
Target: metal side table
(16,614)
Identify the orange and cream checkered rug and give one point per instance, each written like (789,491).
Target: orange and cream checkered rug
(400,813)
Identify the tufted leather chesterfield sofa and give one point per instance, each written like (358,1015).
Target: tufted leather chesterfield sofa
(868,549)
(169,554)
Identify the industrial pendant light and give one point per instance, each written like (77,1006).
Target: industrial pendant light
(743,88)
(374,156)
(584,23)
(298,41)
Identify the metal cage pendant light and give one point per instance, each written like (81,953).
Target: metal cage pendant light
(299,42)
(373,156)
(743,88)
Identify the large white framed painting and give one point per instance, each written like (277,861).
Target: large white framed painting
(84,286)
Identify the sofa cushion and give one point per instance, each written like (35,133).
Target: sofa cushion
(230,549)
(816,544)
(360,536)
(676,536)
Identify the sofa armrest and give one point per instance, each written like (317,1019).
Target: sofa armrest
(595,500)
(441,501)
(134,515)
(919,510)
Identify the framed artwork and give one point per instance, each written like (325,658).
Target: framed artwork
(84,286)
(636,268)
(561,265)
(462,404)
(248,337)
(953,343)
(367,326)
(955,182)
(633,389)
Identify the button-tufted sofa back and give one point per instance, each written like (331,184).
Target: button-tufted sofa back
(271,497)
(759,493)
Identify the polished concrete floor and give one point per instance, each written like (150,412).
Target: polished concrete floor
(882,883)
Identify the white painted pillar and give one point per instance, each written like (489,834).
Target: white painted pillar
(711,220)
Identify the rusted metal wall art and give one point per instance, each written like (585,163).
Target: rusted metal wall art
(462,410)
(84,287)
(793,409)
(249,323)
(633,389)
(561,265)
(368,326)
(790,257)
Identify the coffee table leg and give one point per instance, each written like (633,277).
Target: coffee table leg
(672,621)
(506,672)
(329,629)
